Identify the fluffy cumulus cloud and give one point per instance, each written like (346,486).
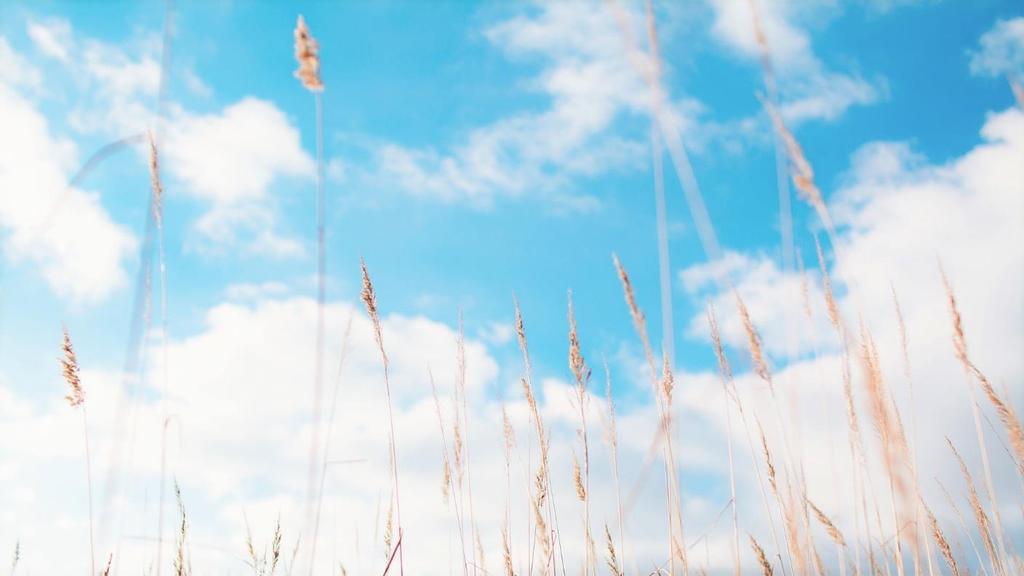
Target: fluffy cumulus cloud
(231,160)
(809,89)
(590,80)
(44,219)
(1001,50)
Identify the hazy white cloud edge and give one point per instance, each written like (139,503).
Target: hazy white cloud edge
(229,160)
(238,392)
(1001,50)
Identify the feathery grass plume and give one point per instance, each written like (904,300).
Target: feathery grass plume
(307,53)
(389,528)
(639,322)
(577,477)
(154,181)
(826,287)
(1006,414)
(369,298)
(182,563)
(613,560)
(800,169)
(1018,93)
(827,524)
(940,540)
(762,560)
(506,549)
(769,465)
(76,398)
(895,453)
(69,366)
(980,517)
(754,342)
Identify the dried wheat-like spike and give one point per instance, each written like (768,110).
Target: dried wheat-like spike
(154,181)
(762,560)
(940,541)
(639,322)
(668,383)
(506,551)
(754,342)
(182,564)
(1018,93)
(800,169)
(69,363)
(772,479)
(613,559)
(980,517)
(826,523)
(576,362)
(577,477)
(307,53)
(826,287)
(1005,412)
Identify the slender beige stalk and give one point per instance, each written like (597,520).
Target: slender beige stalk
(754,341)
(447,491)
(76,398)
(611,436)
(369,298)
(980,517)
(581,373)
(729,386)
(940,541)
(506,548)
(827,524)
(664,402)
(182,563)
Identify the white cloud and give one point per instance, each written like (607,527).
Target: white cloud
(14,70)
(230,160)
(65,231)
(590,82)
(808,88)
(1001,50)
(52,38)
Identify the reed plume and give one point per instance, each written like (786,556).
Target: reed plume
(940,540)
(613,560)
(980,517)
(76,398)
(762,560)
(307,53)
(369,298)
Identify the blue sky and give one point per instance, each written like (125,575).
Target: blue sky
(480,151)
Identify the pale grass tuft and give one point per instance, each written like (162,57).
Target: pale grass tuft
(940,541)
(69,364)
(754,341)
(980,517)
(577,477)
(1005,412)
(307,53)
(762,560)
(827,524)
(613,559)
(154,181)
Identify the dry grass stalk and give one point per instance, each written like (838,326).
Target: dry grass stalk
(762,560)
(1006,414)
(611,436)
(940,541)
(369,298)
(76,398)
(307,53)
(581,373)
(769,465)
(639,322)
(156,187)
(827,524)
(613,560)
(447,491)
(800,169)
(182,564)
(826,287)
(980,517)
(69,366)
(506,549)
(1018,93)
(757,359)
